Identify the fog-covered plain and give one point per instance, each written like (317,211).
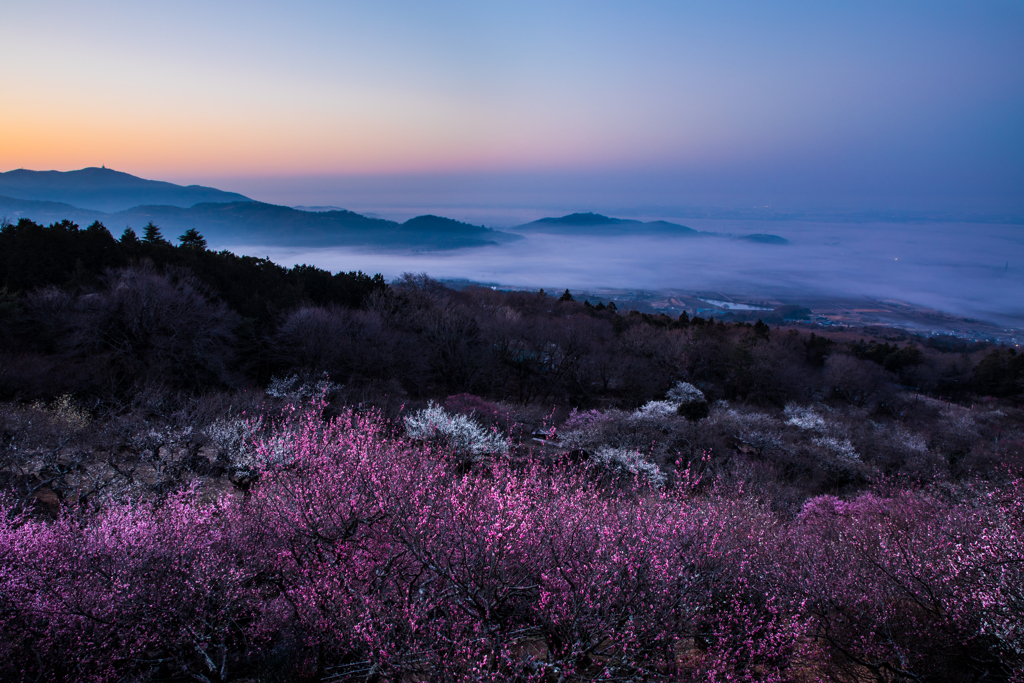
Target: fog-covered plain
(974,270)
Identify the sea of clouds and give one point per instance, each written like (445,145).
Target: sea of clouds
(973,270)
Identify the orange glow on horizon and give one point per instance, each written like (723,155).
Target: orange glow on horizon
(270,142)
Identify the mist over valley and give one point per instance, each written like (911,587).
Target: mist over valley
(968,270)
(962,269)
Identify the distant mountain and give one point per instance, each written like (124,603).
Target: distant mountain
(226,218)
(317,209)
(259,223)
(256,223)
(596,224)
(447,226)
(107,190)
(763,238)
(584,219)
(46,212)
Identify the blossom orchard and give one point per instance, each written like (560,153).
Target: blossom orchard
(361,555)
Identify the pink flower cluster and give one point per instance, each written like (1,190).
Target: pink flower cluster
(360,556)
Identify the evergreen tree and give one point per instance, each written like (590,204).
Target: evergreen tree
(566,296)
(193,240)
(152,235)
(128,237)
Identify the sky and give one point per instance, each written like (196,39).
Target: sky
(590,104)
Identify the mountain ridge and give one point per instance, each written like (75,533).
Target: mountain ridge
(116,198)
(104,189)
(253,222)
(598,224)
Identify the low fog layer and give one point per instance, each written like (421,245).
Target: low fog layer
(975,270)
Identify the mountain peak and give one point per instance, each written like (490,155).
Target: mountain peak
(588,218)
(431,222)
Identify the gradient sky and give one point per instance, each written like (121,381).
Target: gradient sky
(859,104)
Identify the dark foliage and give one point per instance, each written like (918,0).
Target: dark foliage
(1000,373)
(415,339)
(63,255)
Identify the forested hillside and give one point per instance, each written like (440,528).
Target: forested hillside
(218,469)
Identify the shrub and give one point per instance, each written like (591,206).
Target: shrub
(399,564)
(655,409)
(910,587)
(300,388)
(135,591)
(684,392)
(694,410)
(358,554)
(458,432)
(582,419)
(624,461)
(804,418)
(690,401)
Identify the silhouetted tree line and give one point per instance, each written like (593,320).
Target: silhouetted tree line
(106,318)
(63,255)
(1000,373)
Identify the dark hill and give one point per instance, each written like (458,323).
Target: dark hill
(763,238)
(438,226)
(255,223)
(583,219)
(107,190)
(46,212)
(258,223)
(596,224)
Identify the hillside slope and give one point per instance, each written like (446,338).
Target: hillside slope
(107,190)
(251,223)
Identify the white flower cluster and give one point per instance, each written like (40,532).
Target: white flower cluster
(458,431)
(805,418)
(164,438)
(656,409)
(296,388)
(901,440)
(628,461)
(684,392)
(234,440)
(277,449)
(743,424)
(841,449)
